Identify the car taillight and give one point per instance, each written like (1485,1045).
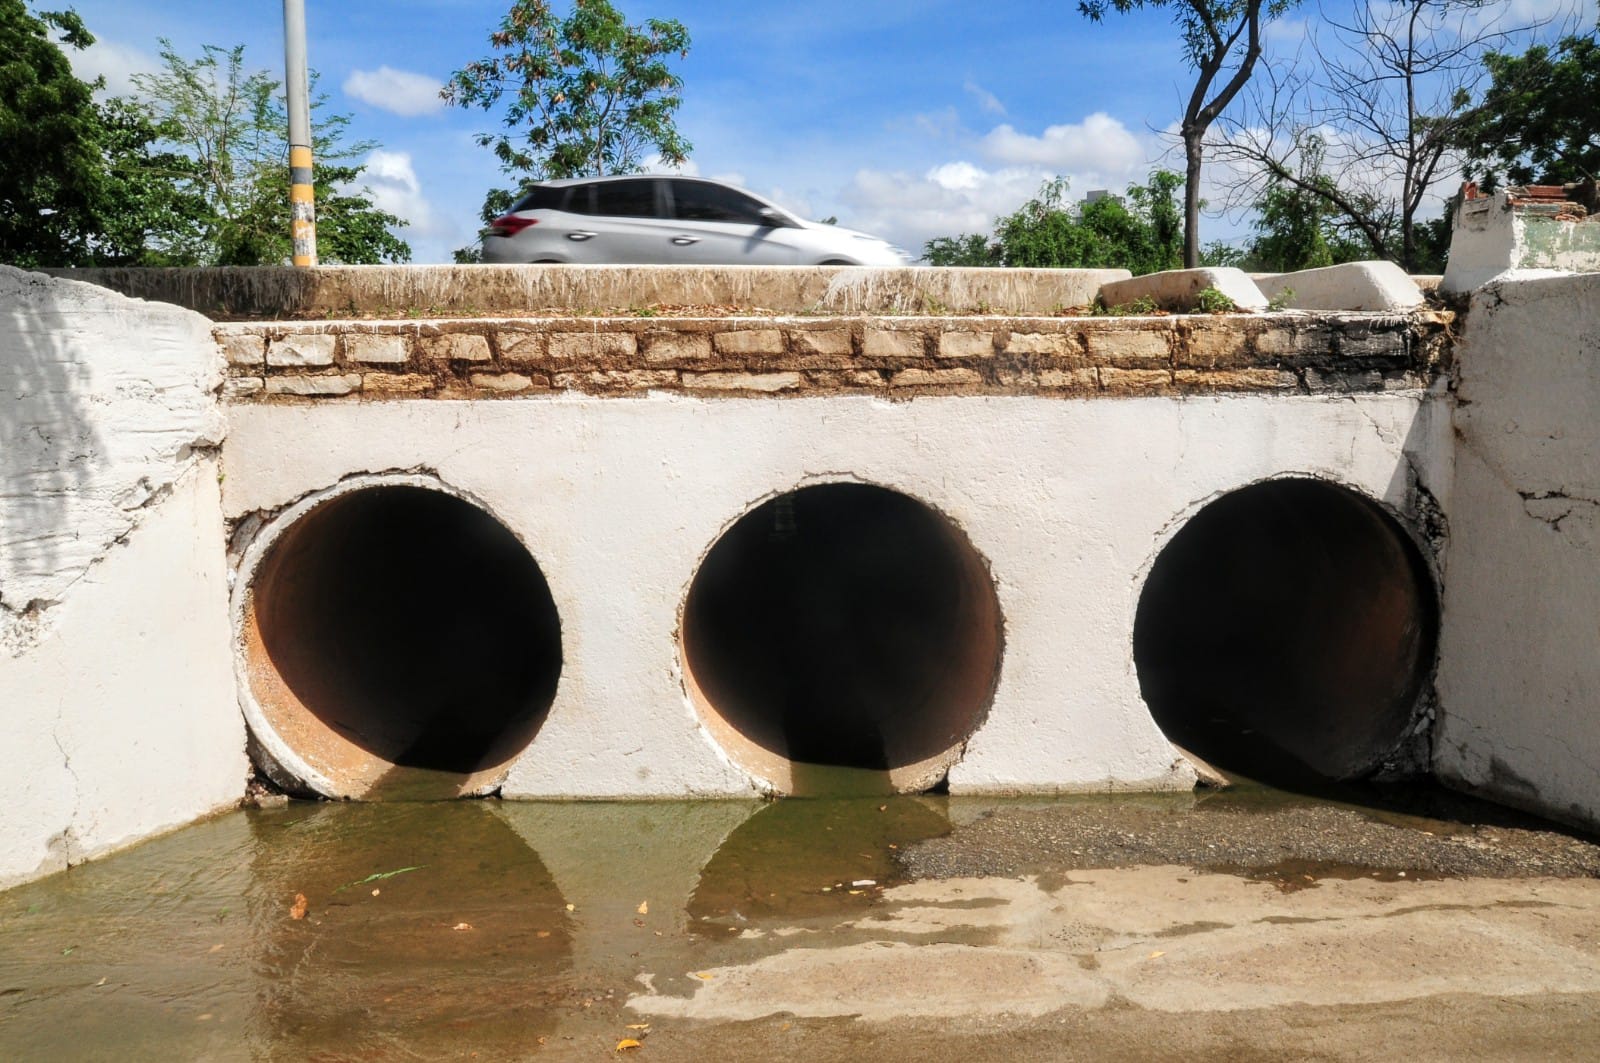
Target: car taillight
(511,224)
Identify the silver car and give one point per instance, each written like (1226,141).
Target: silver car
(681,220)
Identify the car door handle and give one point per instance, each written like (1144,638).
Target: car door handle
(580,235)
(685,241)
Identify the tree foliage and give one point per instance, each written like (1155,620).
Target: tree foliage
(584,94)
(230,127)
(52,177)
(1143,233)
(1539,121)
(1386,95)
(1216,33)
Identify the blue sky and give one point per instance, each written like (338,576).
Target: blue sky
(906,119)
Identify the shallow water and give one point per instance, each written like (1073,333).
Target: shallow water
(439,930)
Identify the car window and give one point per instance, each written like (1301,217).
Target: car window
(539,198)
(579,199)
(703,201)
(625,199)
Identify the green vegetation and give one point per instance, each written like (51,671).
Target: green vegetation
(1144,233)
(1539,117)
(192,171)
(1214,301)
(585,94)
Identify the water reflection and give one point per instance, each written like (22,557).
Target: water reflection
(429,929)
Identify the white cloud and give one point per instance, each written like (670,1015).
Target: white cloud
(392,183)
(399,92)
(117,63)
(1099,143)
(986,99)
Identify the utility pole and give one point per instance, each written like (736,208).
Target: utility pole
(297,84)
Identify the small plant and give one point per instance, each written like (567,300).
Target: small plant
(1281,300)
(646,311)
(1213,301)
(1141,306)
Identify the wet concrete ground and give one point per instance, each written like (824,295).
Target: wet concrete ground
(1241,925)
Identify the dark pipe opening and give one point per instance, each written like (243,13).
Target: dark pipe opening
(410,623)
(1287,632)
(846,626)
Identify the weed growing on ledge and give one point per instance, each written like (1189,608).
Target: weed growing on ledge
(1140,306)
(1213,301)
(1281,300)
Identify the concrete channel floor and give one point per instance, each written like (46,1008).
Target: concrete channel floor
(1248,924)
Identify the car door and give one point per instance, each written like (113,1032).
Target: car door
(618,221)
(719,225)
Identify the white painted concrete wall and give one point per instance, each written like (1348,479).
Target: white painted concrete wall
(1069,501)
(116,699)
(1520,664)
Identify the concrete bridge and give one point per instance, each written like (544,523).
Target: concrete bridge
(656,532)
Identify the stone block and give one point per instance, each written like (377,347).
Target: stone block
(667,347)
(828,343)
(376,348)
(1236,380)
(617,380)
(1132,381)
(244,349)
(520,345)
(242,387)
(892,343)
(936,378)
(743,342)
(1213,343)
(1055,345)
(592,346)
(1069,379)
(395,383)
(1130,348)
(456,347)
(844,379)
(1178,290)
(767,382)
(966,345)
(500,381)
(303,349)
(314,386)
(1348,286)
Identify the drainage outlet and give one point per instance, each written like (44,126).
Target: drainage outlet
(1287,632)
(398,642)
(842,638)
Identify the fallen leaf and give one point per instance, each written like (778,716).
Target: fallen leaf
(704,976)
(1157,955)
(572,907)
(639,1026)
(376,892)
(644,907)
(864,882)
(627,1044)
(215,948)
(543,934)
(100,983)
(462,926)
(297,910)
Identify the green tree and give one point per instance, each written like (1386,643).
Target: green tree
(968,249)
(584,94)
(1216,33)
(229,127)
(1539,121)
(1296,225)
(52,175)
(1143,233)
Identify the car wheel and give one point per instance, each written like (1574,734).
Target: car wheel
(835,262)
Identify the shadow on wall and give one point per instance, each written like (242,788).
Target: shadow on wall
(48,443)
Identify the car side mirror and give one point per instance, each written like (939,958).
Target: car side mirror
(770,217)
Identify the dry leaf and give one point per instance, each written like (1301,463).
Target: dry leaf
(704,976)
(462,926)
(297,910)
(644,907)
(626,1044)
(639,1026)
(376,892)
(1157,955)
(572,907)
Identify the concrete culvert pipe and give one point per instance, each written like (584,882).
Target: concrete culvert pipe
(1287,633)
(398,642)
(842,638)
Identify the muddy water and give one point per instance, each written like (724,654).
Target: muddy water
(506,930)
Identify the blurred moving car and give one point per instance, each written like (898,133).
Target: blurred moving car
(679,220)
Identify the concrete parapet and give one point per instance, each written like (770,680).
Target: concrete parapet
(1178,290)
(1507,231)
(353,291)
(1380,286)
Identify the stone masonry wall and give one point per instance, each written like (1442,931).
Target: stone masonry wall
(809,356)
